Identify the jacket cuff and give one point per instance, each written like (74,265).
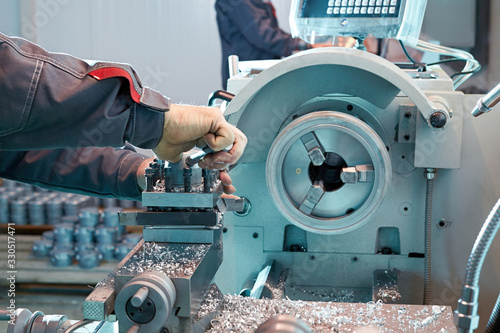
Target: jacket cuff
(128,187)
(145,127)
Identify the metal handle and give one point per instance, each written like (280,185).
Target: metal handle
(219,94)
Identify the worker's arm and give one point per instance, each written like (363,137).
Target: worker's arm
(53,100)
(104,172)
(258,26)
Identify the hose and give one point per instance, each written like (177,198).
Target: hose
(429,174)
(481,247)
(466,317)
(494,321)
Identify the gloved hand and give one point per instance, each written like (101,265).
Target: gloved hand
(187,126)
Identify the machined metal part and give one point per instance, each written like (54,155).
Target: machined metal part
(107,251)
(62,257)
(84,235)
(89,216)
(110,216)
(106,235)
(145,301)
(41,248)
(89,258)
(63,233)
(317,199)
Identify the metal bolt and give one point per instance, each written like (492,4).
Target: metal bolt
(207,180)
(187,172)
(149,173)
(430,173)
(169,179)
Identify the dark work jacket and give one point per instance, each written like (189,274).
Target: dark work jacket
(60,115)
(249,29)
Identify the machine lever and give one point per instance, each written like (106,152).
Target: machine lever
(196,157)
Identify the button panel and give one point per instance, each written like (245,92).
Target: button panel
(363,8)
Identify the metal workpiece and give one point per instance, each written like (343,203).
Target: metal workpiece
(71,219)
(88,216)
(283,324)
(18,211)
(486,103)
(36,212)
(89,258)
(63,233)
(110,216)
(54,209)
(106,235)
(27,322)
(62,257)
(122,249)
(315,197)
(84,235)
(41,248)
(107,251)
(145,302)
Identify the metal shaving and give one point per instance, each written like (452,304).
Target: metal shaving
(244,314)
(175,260)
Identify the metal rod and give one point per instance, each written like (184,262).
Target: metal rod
(139,297)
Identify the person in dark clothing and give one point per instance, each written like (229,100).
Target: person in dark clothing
(249,29)
(60,115)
